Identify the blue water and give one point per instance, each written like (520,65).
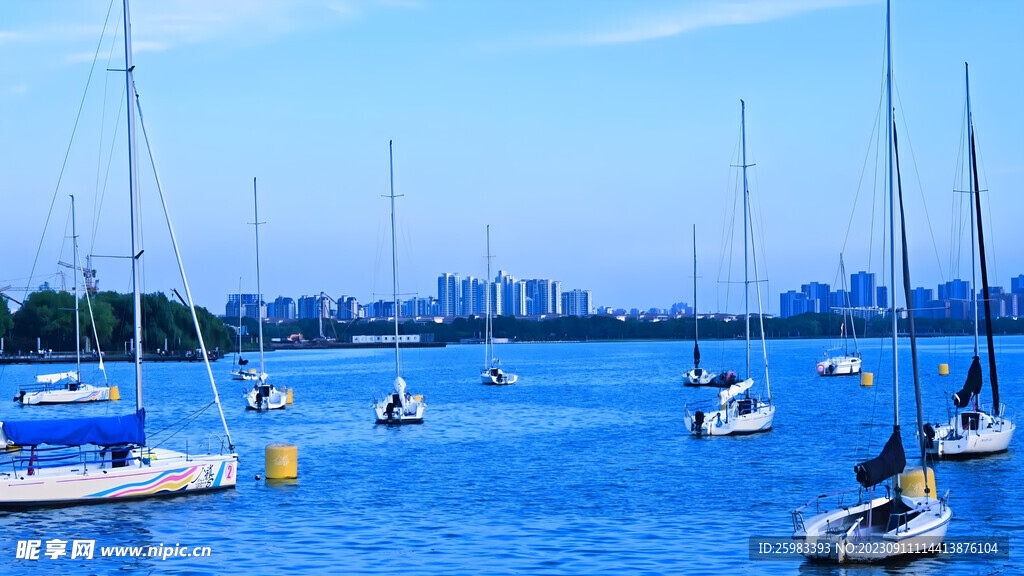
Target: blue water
(583,467)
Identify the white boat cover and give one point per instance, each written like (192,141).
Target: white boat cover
(734,390)
(54,378)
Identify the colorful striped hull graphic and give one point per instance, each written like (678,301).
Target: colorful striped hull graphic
(170,481)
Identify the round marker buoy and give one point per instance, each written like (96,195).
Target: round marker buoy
(281,461)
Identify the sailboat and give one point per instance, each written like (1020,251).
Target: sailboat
(974,431)
(844,363)
(237,370)
(902,521)
(698,376)
(262,395)
(492,372)
(737,411)
(399,407)
(105,459)
(67,387)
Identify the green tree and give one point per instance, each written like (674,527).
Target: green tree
(6,322)
(48,316)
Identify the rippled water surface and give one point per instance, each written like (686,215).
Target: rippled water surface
(583,467)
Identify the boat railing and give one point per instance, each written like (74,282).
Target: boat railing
(63,384)
(210,441)
(902,520)
(29,460)
(817,500)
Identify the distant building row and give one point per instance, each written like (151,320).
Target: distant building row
(951,299)
(504,296)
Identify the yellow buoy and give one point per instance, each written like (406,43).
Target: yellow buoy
(943,369)
(289,395)
(282,461)
(867,379)
(115,394)
(912,482)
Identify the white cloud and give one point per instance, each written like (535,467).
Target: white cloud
(171,23)
(707,14)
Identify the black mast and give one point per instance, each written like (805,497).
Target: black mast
(981,254)
(910,315)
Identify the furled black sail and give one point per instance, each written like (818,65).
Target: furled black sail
(972,387)
(696,355)
(889,463)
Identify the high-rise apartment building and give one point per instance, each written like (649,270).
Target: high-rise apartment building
(577,303)
(449,294)
(862,290)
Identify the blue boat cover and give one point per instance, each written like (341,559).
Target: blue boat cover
(102,431)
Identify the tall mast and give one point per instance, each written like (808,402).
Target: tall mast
(846,308)
(259,294)
(696,350)
(746,197)
(487,336)
(74,269)
(394,255)
(136,214)
(239,321)
(970,179)
(892,217)
(981,257)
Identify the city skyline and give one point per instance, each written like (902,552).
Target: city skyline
(579,136)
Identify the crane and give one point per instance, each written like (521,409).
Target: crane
(89,273)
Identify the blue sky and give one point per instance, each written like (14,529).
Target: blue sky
(590,135)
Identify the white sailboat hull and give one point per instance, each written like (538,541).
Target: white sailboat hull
(845,535)
(411,413)
(274,400)
(166,473)
(840,366)
(83,393)
(245,375)
(698,377)
(739,416)
(971,434)
(498,377)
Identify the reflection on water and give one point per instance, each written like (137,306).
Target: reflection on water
(581,467)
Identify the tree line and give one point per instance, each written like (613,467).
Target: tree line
(49,317)
(601,327)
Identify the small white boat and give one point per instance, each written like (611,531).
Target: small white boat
(872,530)
(492,373)
(245,374)
(735,414)
(67,387)
(970,433)
(62,388)
(237,370)
(399,407)
(974,432)
(262,395)
(697,376)
(496,376)
(839,361)
(840,365)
